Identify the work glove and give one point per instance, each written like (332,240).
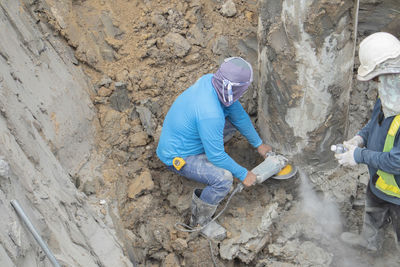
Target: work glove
(357,140)
(347,158)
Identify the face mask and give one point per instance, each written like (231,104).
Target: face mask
(228,85)
(389,93)
(236,69)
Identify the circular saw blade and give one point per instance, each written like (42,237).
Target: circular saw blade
(287,172)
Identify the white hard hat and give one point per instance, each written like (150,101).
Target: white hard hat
(375,49)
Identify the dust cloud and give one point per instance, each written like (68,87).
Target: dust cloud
(323,210)
(325,213)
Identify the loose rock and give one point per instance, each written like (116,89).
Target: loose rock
(228,9)
(178,44)
(142,183)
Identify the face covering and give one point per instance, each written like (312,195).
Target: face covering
(389,93)
(232,80)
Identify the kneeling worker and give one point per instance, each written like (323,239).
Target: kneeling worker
(192,138)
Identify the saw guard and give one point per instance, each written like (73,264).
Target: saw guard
(287,172)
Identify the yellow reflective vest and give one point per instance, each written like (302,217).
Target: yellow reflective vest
(386,181)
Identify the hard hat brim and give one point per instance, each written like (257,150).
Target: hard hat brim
(363,72)
(376,73)
(391,66)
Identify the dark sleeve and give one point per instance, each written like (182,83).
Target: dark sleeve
(364,132)
(386,161)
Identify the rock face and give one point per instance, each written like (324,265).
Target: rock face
(377,16)
(305,81)
(46,138)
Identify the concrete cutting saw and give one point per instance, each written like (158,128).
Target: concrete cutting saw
(274,166)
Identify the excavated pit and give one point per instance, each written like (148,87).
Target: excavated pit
(101,136)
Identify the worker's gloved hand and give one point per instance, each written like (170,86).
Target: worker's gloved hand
(357,140)
(263,149)
(347,158)
(250,179)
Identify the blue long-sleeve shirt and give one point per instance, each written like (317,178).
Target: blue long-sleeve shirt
(194,125)
(374,136)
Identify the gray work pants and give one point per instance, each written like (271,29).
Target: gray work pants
(379,213)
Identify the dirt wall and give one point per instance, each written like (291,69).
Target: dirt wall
(46,138)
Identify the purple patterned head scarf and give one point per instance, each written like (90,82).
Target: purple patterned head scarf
(232,79)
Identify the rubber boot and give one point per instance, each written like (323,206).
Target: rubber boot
(370,238)
(201,215)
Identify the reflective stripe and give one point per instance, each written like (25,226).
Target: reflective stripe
(388,189)
(394,126)
(386,181)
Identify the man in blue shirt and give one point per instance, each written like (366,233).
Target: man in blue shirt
(377,145)
(192,138)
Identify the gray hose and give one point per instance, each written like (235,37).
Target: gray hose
(35,234)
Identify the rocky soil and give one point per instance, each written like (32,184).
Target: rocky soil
(139,55)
